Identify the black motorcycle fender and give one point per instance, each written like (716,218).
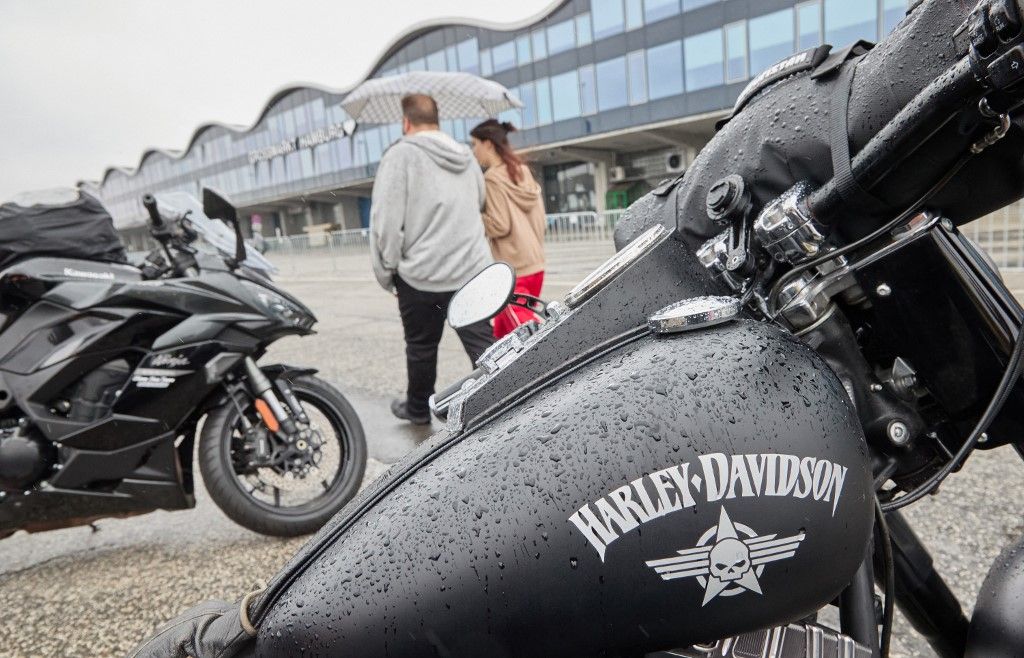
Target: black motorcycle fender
(582,521)
(996,630)
(284,371)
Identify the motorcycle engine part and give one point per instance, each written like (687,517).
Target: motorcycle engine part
(93,396)
(24,458)
(727,200)
(802,304)
(667,469)
(695,313)
(995,630)
(716,256)
(950,303)
(612,267)
(786,229)
(791,641)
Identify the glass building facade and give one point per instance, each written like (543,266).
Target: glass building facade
(586,70)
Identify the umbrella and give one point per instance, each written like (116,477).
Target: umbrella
(458,95)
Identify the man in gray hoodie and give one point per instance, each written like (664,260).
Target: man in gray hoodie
(427,240)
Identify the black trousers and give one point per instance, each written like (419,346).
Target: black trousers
(423,319)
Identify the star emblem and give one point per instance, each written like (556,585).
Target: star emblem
(728,559)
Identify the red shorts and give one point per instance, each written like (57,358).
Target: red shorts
(513,316)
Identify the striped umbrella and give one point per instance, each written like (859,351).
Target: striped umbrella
(458,95)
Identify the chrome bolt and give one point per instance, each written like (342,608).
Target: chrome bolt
(883,290)
(898,432)
(983,438)
(946,224)
(876,388)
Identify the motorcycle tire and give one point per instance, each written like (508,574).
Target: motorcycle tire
(229,493)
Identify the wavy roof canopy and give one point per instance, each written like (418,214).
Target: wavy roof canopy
(405,38)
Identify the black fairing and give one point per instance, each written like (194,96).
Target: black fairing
(472,552)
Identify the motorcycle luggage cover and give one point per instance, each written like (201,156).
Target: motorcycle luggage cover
(66,223)
(674,490)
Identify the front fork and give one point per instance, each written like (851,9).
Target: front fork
(273,411)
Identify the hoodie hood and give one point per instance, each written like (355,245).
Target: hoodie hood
(526,194)
(443,150)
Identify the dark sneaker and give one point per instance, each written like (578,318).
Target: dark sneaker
(401,410)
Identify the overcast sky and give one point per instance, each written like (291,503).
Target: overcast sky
(85,84)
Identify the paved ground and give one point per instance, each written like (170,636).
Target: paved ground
(77,592)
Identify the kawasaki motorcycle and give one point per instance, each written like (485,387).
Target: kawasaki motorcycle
(113,377)
(708,442)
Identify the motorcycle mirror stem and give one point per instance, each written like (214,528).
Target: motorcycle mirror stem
(216,205)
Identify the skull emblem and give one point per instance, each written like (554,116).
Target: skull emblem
(730,559)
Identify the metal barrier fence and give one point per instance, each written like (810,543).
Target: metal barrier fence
(562,227)
(1001,234)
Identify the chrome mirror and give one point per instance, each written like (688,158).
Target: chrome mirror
(483,296)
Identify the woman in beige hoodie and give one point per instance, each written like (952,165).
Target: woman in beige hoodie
(514,219)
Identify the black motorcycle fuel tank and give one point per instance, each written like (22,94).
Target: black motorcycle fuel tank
(673,490)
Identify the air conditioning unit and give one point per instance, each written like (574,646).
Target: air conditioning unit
(675,162)
(617,174)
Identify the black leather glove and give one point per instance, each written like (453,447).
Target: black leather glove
(209,630)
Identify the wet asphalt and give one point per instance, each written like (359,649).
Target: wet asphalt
(96,591)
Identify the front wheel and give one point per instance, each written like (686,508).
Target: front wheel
(284,497)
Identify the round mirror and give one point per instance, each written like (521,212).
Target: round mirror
(483,296)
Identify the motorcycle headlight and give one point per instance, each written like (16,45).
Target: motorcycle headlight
(278,306)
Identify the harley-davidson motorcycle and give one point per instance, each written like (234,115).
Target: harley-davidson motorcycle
(709,440)
(112,377)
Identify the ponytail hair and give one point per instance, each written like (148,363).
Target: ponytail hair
(496,133)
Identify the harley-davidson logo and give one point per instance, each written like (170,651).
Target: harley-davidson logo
(714,477)
(728,559)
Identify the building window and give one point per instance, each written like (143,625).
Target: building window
(634,14)
(655,10)
(485,62)
(528,94)
(736,52)
(435,61)
(523,49)
(584,35)
(543,102)
(846,21)
(611,84)
(702,54)
(771,39)
(512,115)
(418,65)
(453,58)
(693,4)
(665,70)
(588,90)
(540,46)
(893,12)
(637,78)
(469,56)
(808,25)
(569,187)
(565,96)
(607,17)
(504,56)
(561,37)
